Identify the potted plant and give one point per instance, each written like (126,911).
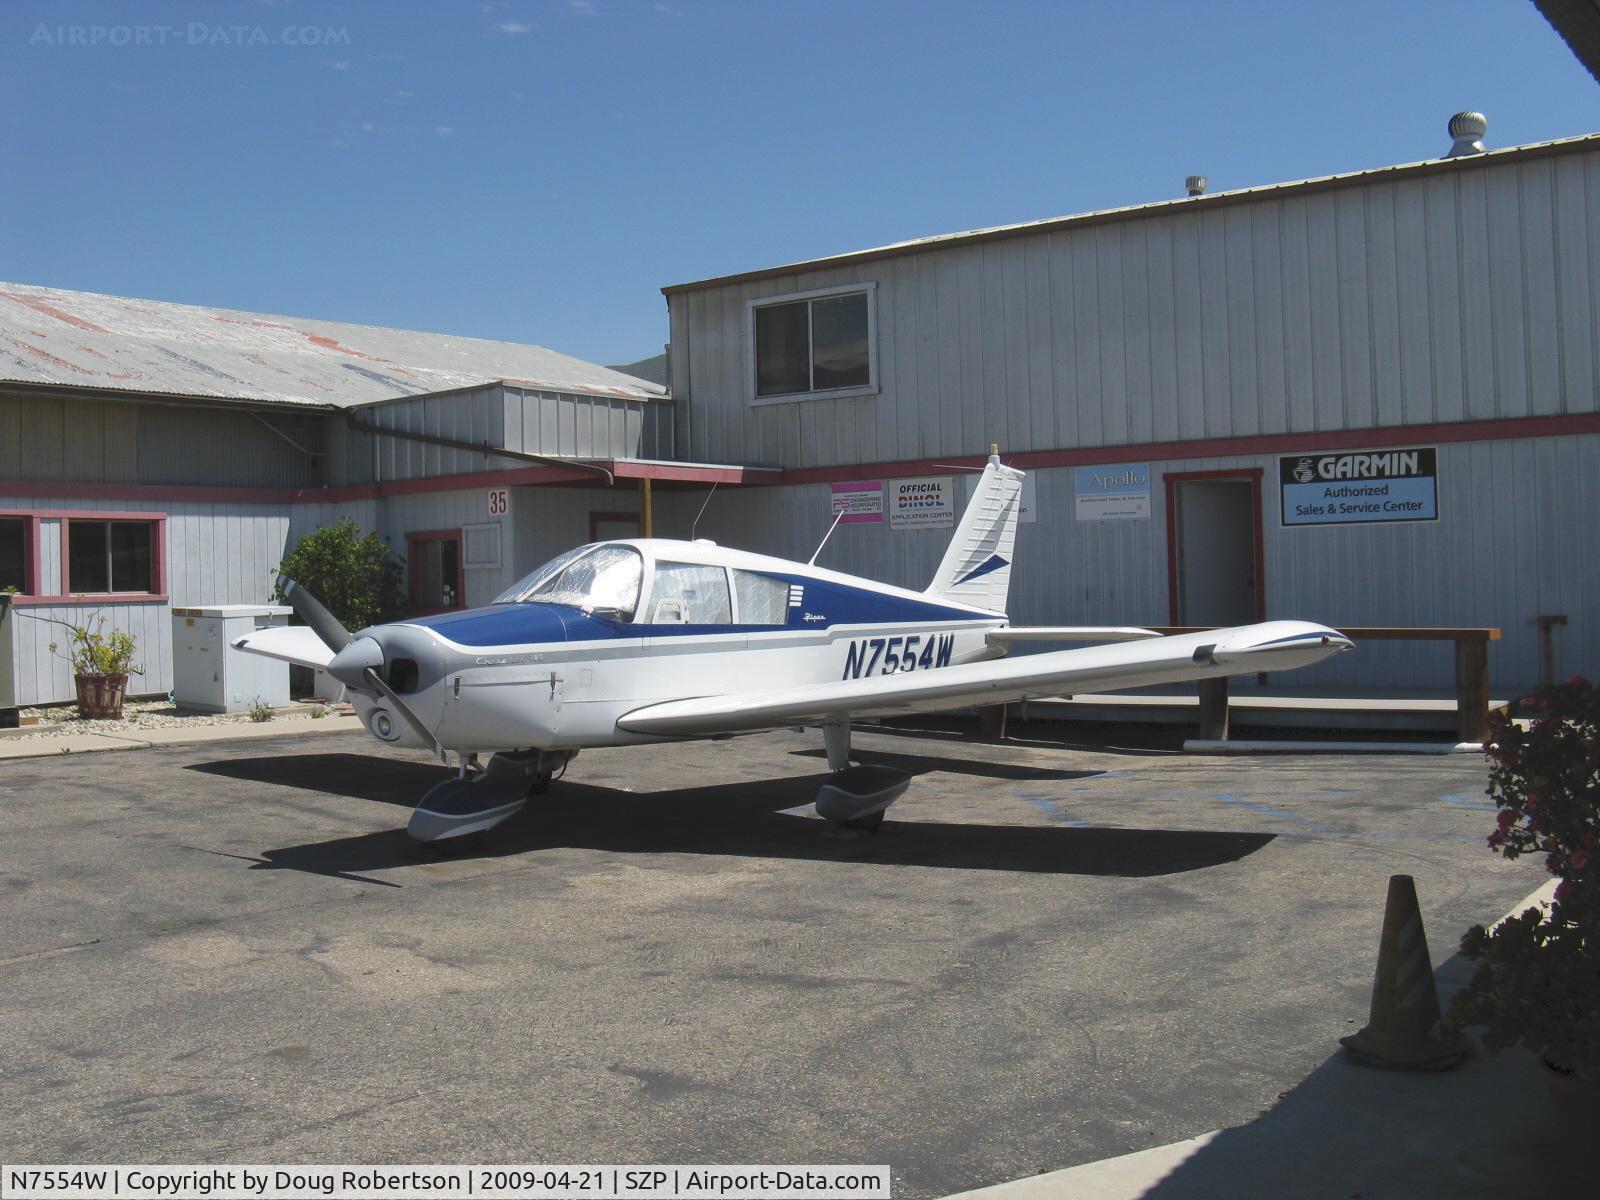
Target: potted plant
(1537,982)
(101,663)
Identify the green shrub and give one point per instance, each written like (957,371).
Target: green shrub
(260,710)
(93,651)
(356,577)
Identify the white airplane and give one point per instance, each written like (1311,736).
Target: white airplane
(650,640)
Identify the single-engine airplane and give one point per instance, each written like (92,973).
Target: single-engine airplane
(650,640)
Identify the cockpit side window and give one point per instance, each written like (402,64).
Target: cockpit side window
(762,599)
(687,594)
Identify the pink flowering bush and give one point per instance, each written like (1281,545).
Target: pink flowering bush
(1538,977)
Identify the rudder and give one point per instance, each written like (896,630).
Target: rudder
(976,568)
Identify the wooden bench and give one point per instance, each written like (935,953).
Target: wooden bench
(1472,674)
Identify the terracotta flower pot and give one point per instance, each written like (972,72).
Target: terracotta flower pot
(101,695)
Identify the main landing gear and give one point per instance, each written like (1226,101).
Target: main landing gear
(854,799)
(478,799)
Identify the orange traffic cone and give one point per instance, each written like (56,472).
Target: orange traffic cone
(1403,1030)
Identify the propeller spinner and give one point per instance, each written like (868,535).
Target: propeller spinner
(357,661)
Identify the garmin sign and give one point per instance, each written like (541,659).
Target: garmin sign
(1359,486)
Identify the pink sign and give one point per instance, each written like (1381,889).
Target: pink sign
(861,503)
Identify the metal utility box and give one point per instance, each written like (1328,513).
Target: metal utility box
(209,675)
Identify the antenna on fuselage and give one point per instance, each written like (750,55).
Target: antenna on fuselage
(703,507)
(837,517)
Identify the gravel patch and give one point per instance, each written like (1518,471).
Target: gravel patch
(159,714)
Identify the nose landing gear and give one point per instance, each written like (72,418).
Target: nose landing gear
(477,800)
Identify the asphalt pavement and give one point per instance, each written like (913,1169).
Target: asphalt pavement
(230,952)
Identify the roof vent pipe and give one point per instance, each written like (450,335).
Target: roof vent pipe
(1467,128)
(1196,184)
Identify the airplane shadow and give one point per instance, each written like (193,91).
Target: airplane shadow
(745,819)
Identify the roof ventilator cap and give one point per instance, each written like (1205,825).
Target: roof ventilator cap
(1467,128)
(1195,185)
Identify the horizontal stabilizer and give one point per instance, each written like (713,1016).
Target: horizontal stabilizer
(298,644)
(1069,633)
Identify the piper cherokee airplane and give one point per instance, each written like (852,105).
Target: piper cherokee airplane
(651,640)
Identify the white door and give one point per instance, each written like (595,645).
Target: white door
(1216,551)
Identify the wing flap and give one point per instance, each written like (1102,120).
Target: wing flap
(1245,650)
(296,644)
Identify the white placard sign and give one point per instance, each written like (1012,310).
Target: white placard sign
(927,502)
(499,502)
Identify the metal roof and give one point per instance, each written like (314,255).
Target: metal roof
(1153,208)
(81,339)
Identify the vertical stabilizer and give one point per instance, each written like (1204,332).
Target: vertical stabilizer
(977,564)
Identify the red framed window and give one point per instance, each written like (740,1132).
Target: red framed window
(19,552)
(95,557)
(435,571)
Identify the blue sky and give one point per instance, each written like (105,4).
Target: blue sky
(537,171)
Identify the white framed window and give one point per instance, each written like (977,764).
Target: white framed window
(813,344)
(482,544)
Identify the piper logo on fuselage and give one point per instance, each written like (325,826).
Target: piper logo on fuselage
(886,656)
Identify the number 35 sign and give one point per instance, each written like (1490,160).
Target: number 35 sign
(499,502)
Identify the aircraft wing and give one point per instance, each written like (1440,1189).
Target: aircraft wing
(297,644)
(1069,633)
(1244,650)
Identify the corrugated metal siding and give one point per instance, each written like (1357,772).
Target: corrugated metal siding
(475,416)
(216,554)
(49,439)
(575,426)
(1502,553)
(45,677)
(1437,298)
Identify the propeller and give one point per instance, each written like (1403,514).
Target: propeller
(356,661)
(323,623)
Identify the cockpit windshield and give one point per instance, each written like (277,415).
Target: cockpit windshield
(603,578)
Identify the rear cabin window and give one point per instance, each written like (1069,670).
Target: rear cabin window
(762,599)
(686,594)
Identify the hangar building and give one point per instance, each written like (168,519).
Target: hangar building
(1365,399)
(1368,399)
(155,455)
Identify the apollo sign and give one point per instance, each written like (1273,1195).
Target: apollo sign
(1359,487)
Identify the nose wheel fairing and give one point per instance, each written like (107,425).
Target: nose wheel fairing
(474,802)
(459,808)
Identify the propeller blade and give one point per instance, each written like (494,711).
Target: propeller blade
(377,681)
(322,622)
